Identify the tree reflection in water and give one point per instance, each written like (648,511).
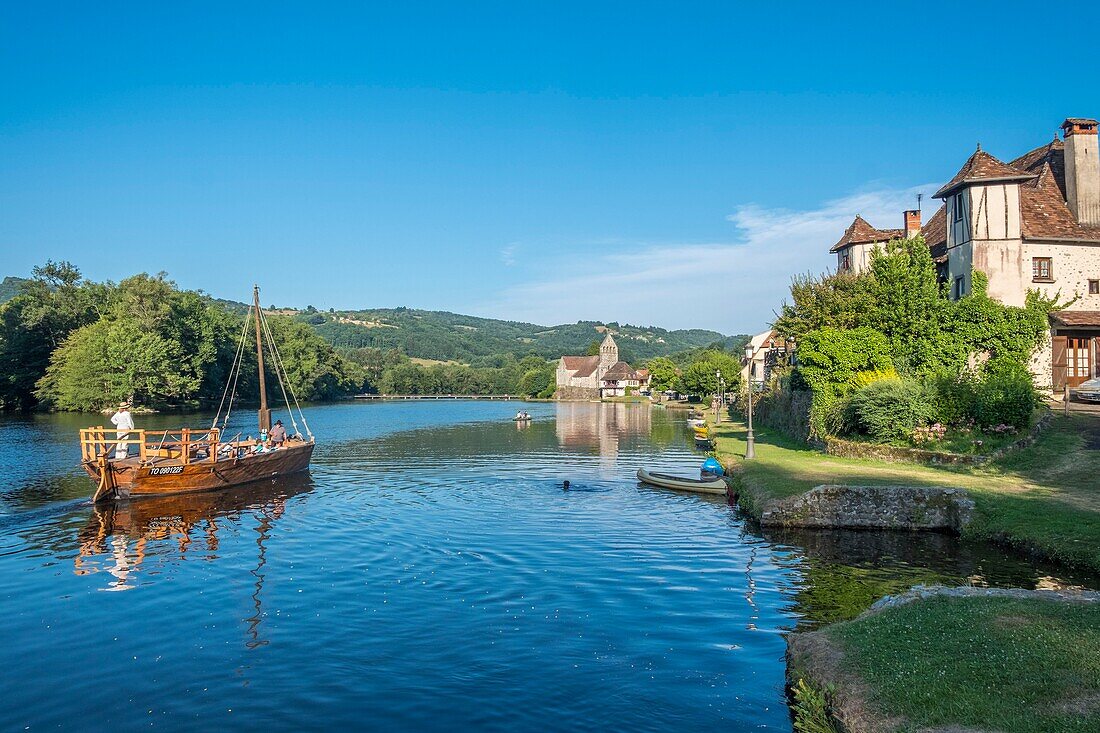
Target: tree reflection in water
(845,571)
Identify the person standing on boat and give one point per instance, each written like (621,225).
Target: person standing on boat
(124,423)
(277,436)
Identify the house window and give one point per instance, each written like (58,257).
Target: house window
(845,261)
(1094,287)
(960,286)
(1041,270)
(959,206)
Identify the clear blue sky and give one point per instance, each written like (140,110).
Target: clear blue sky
(548,162)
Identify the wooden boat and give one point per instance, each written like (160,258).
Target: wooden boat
(682,483)
(187,460)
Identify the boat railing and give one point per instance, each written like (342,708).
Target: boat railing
(184,444)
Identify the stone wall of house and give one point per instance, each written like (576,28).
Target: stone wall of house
(872,507)
(567,392)
(1072,266)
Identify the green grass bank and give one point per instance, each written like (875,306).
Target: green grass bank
(1043,499)
(941,663)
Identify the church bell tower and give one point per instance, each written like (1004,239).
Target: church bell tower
(609,353)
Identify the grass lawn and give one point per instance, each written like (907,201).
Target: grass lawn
(1043,499)
(991,664)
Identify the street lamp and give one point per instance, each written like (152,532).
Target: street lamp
(750,440)
(719,402)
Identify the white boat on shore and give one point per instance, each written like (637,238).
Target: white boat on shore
(717,485)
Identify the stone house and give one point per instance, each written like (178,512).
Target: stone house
(768,348)
(595,377)
(1032,223)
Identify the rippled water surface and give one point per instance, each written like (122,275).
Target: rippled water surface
(428,573)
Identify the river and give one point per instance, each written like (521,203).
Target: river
(429,572)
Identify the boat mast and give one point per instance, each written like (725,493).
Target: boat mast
(265,414)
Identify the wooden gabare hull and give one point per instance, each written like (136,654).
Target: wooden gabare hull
(131,479)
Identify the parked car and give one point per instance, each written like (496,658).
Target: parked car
(1089,391)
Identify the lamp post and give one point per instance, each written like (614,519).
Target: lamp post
(750,440)
(719,402)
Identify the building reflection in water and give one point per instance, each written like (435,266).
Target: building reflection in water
(584,425)
(118,537)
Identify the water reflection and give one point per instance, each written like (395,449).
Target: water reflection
(844,571)
(438,571)
(120,538)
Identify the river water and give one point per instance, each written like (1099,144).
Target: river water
(429,572)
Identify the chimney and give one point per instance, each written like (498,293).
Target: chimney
(1082,170)
(912,223)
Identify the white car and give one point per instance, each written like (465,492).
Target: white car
(1089,390)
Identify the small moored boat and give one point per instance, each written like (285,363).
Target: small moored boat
(715,485)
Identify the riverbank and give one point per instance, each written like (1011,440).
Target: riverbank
(1034,669)
(1043,500)
(944,663)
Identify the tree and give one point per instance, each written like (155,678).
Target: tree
(701,375)
(50,306)
(663,373)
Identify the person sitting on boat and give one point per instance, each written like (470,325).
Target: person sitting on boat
(277,436)
(519,415)
(124,423)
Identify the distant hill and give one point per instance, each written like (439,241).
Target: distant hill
(450,336)
(443,336)
(9,288)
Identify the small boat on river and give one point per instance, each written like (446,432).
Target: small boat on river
(187,460)
(716,485)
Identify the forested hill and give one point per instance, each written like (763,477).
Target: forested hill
(453,337)
(9,288)
(444,336)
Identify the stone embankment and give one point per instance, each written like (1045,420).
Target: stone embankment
(919,508)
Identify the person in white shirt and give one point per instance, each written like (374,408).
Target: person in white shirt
(124,423)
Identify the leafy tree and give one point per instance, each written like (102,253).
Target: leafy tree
(50,306)
(700,377)
(839,300)
(663,373)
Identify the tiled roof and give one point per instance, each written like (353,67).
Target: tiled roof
(981,166)
(860,232)
(1078,319)
(935,232)
(1043,210)
(618,371)
(584,366)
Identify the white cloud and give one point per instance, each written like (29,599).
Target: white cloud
(508,254)
(733,287)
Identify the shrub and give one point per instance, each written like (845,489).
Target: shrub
(829,360)
(1005,395)
(862,379)
(955,395)
(889,409)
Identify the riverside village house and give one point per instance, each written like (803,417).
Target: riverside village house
(1030,223)
(594,377)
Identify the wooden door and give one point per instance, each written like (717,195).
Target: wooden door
(1058,362)
(1078,360)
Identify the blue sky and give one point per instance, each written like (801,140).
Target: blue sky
(536,161)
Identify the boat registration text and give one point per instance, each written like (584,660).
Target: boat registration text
(165,470)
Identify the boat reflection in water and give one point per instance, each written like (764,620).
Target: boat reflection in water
(121,537)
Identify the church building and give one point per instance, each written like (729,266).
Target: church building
(595,377)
